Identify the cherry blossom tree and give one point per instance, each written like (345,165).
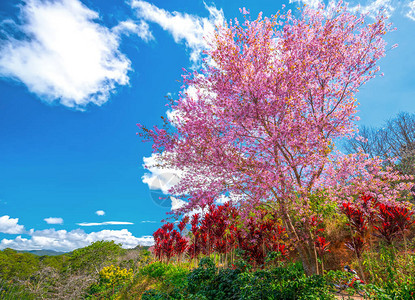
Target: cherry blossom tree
(260,120)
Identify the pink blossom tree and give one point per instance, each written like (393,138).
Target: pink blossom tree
(260,120)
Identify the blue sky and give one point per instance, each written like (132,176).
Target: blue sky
(76,77)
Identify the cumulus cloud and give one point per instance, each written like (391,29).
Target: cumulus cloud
(186,28)
(411,12)
(53,220)
(62,240)
(105,223)
(10,225)
(158,178)
(62,55)
(100,212)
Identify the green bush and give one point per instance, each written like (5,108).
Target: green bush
(11,291)
(283,282)
(208,282)
(95,256)
(171,276)
(392,274)
(154,295)
(16,265)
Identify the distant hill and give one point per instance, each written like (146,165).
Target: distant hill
(42,252)
(54,253)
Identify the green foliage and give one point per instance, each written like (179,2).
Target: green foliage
(320,204)
(289,282)
(206,281)
(210,283)
(67,276)
(93,257)
(392,273)
(172,276)
(72,276)
(15,265)
(153,294)
(57,262)
(12,291)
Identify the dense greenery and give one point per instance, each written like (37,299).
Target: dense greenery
(104,270)
(24,275)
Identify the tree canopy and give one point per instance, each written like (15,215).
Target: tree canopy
(260,120)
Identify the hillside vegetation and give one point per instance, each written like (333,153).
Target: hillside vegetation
(104,270)
(24,275)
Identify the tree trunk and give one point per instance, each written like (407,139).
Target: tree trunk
(305,253)
(307,260)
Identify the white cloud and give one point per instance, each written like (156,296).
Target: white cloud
(222,199)
(177,203)
(53,220)
(10,226)
(310,3)
(100,212)
(141,29)
(411,12)
(62,55)
(62,240)
(183,27)
(158,178)
(373,8)
(105,223)
(148,222)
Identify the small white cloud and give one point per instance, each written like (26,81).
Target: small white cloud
(53,220)
(62,55)
(62,240)
(10,225)
(141,29)
(190,29)
(100,212)
(177,203)
(310,3)
(411,12)
(222,199)
(105,223)
(148,222)
(373,8)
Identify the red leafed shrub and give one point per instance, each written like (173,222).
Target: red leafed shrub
(217,232)
(322,245)
(388,220)
(260,236)
(356,217)
(168,242)
(392,221)
(195,247)
(358,225)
